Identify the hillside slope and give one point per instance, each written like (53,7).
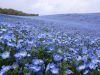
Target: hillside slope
(15,12)
(80,23)
(73,22)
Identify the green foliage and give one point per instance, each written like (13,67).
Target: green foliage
(15,12)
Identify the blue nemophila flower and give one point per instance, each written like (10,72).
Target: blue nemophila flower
(4,69)
(4,30)
(60,51)
(51,48)
(21,54)
(14,65)
(57,57)
(37,61)
(95,60)
(28,55)
(67,72)
(31,42)
(93,41)
(10,44)
(27,74)
(92,66)
(20,40)
(78,58)
(50,66)
(7,37)
(81,67)
(98,53)
(5,55)
(99,70)
(86,72)
(2,72)
(10,32)
(84,50)
(85,58)
(54,71)
(36,68)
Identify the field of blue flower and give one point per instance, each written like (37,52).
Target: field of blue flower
(34,47)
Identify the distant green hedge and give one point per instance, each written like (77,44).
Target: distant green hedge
(15,12)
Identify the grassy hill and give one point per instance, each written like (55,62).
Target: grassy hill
(15,12)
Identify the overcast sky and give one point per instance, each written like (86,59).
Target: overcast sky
(47,7)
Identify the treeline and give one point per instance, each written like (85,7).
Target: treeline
(15,12)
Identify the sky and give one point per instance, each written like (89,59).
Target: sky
(48,7)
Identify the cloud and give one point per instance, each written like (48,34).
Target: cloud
(45,7)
